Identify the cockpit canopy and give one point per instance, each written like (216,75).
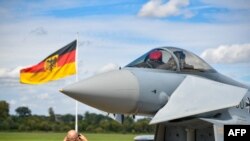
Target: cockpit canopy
(170,58)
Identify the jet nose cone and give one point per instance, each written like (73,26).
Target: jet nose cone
(114,92)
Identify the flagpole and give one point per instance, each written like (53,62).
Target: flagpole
(76,103)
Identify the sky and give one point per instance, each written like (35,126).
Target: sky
(112,34)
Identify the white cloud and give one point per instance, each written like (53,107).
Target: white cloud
(10,73)
(237,53)
(12,102)
(39,31)
(24,98)
(128,35)
(231,4)
(236,11)
(108,67)
(43,96)
(156,8)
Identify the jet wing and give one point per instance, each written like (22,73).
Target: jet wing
(197,95)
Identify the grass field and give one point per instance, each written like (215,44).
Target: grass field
(9,136)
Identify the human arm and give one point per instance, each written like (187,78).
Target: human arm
(82,137)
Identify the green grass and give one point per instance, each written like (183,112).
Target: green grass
(41,136)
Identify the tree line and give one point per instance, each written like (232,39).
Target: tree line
(88,122)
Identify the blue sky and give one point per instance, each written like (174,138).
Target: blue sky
(112,34)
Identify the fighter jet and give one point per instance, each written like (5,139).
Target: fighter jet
(187,99)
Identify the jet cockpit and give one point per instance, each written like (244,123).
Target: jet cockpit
(173,59)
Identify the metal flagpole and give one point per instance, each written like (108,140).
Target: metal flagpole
(76,110)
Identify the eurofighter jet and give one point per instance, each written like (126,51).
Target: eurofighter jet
(187,99)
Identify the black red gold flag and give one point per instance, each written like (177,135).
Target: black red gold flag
(57,65)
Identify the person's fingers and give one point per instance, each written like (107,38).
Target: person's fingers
(83,137)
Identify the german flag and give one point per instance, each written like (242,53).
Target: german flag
(57,65)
